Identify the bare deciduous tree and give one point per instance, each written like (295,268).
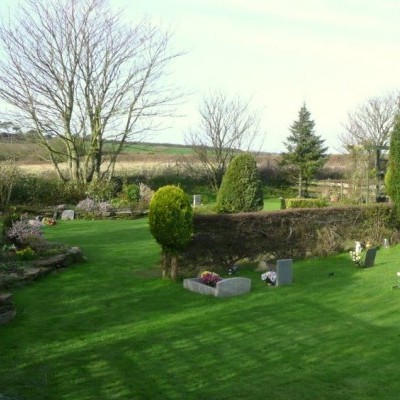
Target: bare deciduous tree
(371,123)
(77,74)
(227,126)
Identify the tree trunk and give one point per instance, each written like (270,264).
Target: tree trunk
(300,184)
(166,264)
(174,267)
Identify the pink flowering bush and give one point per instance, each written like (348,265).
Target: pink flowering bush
(209,278)
(23,233)
(87,205)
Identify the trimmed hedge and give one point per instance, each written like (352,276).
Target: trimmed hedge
(221,240)
(299,202)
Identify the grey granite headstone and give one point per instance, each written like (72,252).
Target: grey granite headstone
(197,200)
(68,215)
(370,257)
(224,288)
(284,274)
(233,287)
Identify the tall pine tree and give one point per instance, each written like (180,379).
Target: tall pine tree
(305,151)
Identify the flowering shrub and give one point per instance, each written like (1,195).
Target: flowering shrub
(209,278)
(26,254)
(105,207)
(22,232)
(87,205)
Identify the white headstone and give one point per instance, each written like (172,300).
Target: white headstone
(358,248)
(68,215)
(197,200)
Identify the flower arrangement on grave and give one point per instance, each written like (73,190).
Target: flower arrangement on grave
(355,254)
(356,257)
(49,221)
(210,278)
(398,284)
(269,278)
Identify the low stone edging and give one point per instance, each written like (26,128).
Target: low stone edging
(37,269)
(41,267)
(7,308)
(224,288)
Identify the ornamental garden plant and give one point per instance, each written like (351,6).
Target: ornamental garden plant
(171,224)
(210,278)
(241,187)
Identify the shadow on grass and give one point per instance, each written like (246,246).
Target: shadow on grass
(102,331)
(221,350)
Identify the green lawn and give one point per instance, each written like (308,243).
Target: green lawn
(112,329)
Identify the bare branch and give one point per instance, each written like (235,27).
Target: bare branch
(372,122)
(79,74)
(227,126)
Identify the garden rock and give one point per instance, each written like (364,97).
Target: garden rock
(41,267)
(35,222)
(68,215)
(7,308)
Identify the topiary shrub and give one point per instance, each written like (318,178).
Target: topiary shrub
(300,202)
(241,187)
(171,224)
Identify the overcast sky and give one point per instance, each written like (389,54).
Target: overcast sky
(330,54)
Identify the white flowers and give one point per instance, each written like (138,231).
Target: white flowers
(269,277)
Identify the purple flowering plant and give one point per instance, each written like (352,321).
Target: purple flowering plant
(210,278)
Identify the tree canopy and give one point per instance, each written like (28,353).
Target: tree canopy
(371,123)
(171,224)
(227,126)
(73,71)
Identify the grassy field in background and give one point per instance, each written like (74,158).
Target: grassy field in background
(112,329)
(152,149)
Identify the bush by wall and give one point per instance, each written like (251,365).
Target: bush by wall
(241,187)
(39,191)
(220,240)
(299,202)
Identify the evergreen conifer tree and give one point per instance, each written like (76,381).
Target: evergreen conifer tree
(241,187)
(305,150)
(392,178)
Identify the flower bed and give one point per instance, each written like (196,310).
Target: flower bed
(13,275)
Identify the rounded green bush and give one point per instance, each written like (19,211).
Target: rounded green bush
(241,187)
(171,218)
